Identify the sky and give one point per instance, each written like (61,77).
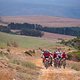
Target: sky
(65,8)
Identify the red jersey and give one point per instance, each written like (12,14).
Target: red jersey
(46,54)
(54,55)
(64,55)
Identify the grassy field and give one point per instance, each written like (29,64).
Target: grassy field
(24,41)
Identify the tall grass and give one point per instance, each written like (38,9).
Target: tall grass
(74,56)
(4,55)
(24,70)
(24,63)
(74,65)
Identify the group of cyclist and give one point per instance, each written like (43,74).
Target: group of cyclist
(58,54)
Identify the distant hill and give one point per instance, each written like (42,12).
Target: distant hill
(38,30)
(48,21)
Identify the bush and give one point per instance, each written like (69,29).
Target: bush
(2,54)
(12,44)
(28,53)
(78,55)
(69,56)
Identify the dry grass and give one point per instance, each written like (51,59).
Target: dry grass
(24,73)
(43,20)
(74,65)
(58,74)
(17,66)
(46,21)
(56,36)
(6,74)
(24,63)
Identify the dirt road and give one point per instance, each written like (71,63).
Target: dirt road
(57,74)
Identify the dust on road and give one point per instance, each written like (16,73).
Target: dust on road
(56,74)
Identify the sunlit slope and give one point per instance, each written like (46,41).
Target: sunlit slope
(49,21)
(24,41)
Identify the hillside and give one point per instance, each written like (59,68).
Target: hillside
(58,74)
(24,41)
(48,21)
(31,32)
(15,64)
(56,36)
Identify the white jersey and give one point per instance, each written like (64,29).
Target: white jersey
(59,53)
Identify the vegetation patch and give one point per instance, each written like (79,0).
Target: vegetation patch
(26,76)
(30,52)
(4,55)
(37,30)
(75,56)
(23,41)
(75,43)
(24,70)
(24,63)
(74,65)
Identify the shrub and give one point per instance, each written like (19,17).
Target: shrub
(78,55)
(28,53)
(69,56)
(12,43)
(2,54)
(74,56)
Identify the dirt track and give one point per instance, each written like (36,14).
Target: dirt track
(57,74)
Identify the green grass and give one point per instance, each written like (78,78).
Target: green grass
(74,55)
(24,41)
(77,54)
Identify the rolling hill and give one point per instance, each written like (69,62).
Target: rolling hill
(48,21)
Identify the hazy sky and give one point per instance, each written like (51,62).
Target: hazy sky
(60,2)
(71,3)
(43,7)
